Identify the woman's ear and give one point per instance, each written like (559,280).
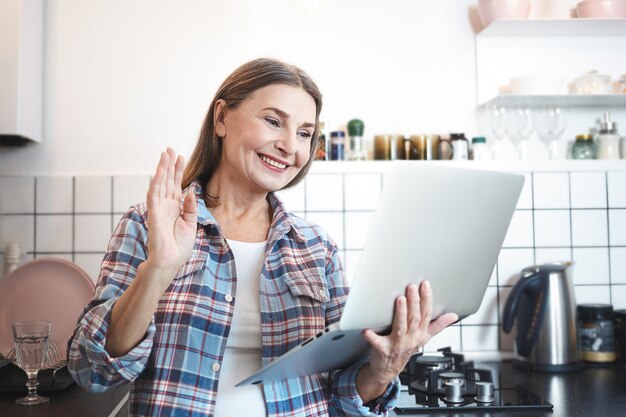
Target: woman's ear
(218,118)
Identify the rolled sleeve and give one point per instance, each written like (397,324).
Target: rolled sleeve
(346,398)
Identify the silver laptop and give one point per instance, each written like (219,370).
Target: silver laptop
(432,222)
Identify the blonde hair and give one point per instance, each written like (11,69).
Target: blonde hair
(238,86)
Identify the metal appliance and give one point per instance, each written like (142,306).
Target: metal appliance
(543,304)
(445,381)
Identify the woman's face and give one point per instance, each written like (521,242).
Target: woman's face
(267,138)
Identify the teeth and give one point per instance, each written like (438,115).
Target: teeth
(272,162)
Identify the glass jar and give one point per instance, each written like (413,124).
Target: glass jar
(596,332)
(337,145)
(584,147)
(620,335)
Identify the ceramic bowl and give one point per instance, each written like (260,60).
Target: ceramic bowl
(538,84)
(490,10)
(601,9)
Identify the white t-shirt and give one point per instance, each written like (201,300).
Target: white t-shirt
(243,347)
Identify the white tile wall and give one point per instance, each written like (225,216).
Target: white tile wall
(589,228)
(551,190)
(54,194)
(93,195)
(560,216)
(128,191)
(17,195)
(588,189)
(552,228)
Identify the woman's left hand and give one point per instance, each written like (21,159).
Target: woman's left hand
(411,329)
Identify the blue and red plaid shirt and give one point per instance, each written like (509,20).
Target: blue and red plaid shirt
(174,370)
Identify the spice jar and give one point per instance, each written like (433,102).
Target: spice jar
(584,147)
(620,335)
(596,332)
(480,150)
(337,145)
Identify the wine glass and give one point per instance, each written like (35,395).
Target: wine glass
(550,123)
(31,347)
(496,117)
(519,127)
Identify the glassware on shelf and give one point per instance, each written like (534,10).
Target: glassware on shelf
(519,126)
(31,348)
(496,117)
(584,147)
(550,123)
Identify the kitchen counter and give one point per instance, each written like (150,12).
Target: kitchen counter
(592,392)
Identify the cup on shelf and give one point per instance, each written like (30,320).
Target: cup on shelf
(490,10)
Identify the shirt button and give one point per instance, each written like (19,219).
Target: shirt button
(216,367)
(228,297)
(323,294)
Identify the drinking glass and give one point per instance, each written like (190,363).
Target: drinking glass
(519,127)
(550,123)
(31,347)
(496,117)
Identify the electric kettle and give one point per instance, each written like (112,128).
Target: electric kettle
(543,304)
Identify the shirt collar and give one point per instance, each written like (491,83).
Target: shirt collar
(282,222)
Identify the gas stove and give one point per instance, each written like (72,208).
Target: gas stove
(445,381)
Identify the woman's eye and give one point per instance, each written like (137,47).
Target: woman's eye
(272,122)
(305,134)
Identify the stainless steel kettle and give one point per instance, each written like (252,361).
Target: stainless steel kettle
(544,306)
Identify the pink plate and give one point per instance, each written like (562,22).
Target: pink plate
(50,289)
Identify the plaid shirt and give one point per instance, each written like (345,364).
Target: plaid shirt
(174,370)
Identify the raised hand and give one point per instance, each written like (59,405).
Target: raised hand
(171,230)
(411,329)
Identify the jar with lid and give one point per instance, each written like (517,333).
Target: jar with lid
(480,150)
(596,333)
(460,146)
(357,151)
(584,147)
(608,139)
(620,335)
(337,145)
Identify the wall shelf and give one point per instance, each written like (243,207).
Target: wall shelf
(555,27)
(563,100)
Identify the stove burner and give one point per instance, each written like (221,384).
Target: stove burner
(446,381)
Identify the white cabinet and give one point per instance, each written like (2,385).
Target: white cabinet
(21,71)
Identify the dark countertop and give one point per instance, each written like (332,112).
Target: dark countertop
(594,391)
(591,392)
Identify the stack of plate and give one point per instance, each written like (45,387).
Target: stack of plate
(601,9)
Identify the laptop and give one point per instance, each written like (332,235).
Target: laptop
(443,224)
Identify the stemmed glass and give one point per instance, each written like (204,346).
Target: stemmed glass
(519,127)
(31,347)
(496,117)
(550,123)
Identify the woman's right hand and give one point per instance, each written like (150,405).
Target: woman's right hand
(171,231)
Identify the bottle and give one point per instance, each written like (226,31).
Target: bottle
(608,139)
(321,153)
(357,151)
(337,145)
(480,150)
(460,146)
(596,332)
(12,257)
(620,335)
(584,147)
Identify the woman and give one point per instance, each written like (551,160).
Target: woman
(207,284)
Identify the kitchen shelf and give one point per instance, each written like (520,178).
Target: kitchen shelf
(555,27)
(562,100)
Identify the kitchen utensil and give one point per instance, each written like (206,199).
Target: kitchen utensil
(544,307)
(592,83)
(602,9)
(46,288)
(490,10)
(31,345)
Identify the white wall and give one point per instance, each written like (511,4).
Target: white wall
(123,80)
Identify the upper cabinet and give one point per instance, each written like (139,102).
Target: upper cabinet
(567,47)
(21,71)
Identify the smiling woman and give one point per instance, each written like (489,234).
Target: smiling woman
(211,278)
